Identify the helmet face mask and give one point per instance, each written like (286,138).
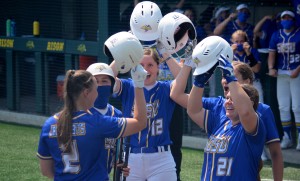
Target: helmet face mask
(126,50)
(172,28)
(207,53)
(144,21)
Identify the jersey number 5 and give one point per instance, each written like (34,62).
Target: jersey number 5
(71,160)
(224,166)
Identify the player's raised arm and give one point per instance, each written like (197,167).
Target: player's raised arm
(139,120)
(195,107)
(244,98)
(179,84)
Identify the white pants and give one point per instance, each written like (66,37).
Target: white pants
(152,167)
(257,85)
(288,90)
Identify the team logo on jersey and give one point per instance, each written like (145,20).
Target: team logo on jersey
(146,28)
(217,144)
(196,61)
(121,122)
(286,47)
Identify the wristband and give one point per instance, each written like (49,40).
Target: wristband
(167,59)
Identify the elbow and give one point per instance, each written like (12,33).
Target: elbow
(47,174)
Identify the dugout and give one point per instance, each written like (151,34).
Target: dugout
(73,31)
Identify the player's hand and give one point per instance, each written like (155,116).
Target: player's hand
(234,47)
(272,72)
(138,75)
(227,69)
(125,170)
(246,47)
(160,49)
(188,61)
(232,16)
(201,79)
(295,72)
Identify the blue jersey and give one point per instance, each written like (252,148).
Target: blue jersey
(229,147)
(232,26)
(287,47)
(110,143)
(86,161)
(243,58)
(264,111)
(160,108)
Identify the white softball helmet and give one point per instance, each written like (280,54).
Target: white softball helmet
(126,50)
(101,69)
(208,51)
(144,21)
(172,31)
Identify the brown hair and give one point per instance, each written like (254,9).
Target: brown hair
(252,93)
(152,52)
(244,69)
(75,83)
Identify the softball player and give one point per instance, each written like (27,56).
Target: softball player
(150,156)
(243,52)
(148,14)
(284,63)
(105,80)
(215,104)
(236,136)
(72,142)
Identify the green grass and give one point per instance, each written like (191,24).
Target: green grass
(18,146)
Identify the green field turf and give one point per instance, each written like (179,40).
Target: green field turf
(18,146)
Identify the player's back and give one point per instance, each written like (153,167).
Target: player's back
(88,133)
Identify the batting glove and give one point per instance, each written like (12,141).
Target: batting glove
(160,49)
(202,79)
(227,69)
(188,61)
(138,75)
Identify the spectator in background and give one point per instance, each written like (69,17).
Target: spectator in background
(190,12)
(236,21)
(243,52)
(283,63)
(264,29)
(296,4)
(221,14)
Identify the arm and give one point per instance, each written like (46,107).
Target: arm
(271,64)
(254,64)
(277,160)
(180,4)
(242,103)
(220,28)
(174,66)
(179,85)
(47,168)
(195,106)
(139,120)
(243,106)
(258,26)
